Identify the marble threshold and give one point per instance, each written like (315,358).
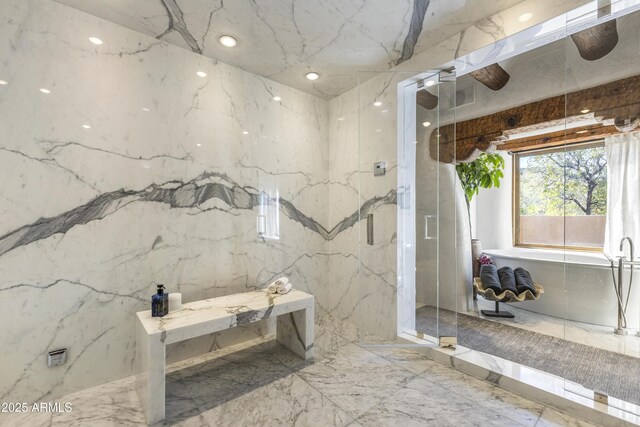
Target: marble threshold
(530,383)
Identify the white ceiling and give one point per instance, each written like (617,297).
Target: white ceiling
(284,39)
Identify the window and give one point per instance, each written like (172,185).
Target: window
(560,197)
(269,215)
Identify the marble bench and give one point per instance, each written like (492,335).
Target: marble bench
(294,329)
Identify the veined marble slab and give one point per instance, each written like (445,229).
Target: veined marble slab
(285,39)
(295,329)
(217,314)
(216,152)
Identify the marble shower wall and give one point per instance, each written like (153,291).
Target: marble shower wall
(134,171)
(363,277)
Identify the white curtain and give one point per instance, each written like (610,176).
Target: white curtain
(623,190)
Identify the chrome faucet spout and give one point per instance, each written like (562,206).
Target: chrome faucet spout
(628,239)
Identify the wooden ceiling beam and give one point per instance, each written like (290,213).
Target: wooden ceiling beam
(596,42)
(494,76)
(426,99)
(559,138)
(607,102)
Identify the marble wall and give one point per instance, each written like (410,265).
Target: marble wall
(130,171)
(363,277)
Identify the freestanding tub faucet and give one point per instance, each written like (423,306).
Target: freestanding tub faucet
(619,288)
(628,239)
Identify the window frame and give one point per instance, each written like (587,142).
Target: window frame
(515,229)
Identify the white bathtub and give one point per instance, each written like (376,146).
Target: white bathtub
(577,285)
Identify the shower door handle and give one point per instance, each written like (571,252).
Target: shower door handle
(426,227)
(370,229)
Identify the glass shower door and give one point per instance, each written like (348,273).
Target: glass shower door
(407,262)
(440,212)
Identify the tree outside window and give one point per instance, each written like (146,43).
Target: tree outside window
(554,187)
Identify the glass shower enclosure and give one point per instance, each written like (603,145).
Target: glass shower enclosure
(407,251)
(415,273)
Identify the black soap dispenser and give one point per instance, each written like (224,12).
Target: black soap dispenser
(159,303)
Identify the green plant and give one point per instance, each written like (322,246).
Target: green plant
(483,172)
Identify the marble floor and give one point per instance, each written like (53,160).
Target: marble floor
(263,384)
(583,333)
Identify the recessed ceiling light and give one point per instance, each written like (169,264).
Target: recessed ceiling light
(430,83)
(377,103)
(201,74)
(198,145)
(146,109)
(95,40)
(426,124)
(244,132)
(385,110)
(585,111)
(378,130)
(228,41)
(340,119)
(43,90)
(312,75)
(86,126)
(525,17)
(4,82)
(277,98)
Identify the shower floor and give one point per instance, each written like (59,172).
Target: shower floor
(540,343)
(346,384)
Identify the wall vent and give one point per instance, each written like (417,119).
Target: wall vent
(463,96)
